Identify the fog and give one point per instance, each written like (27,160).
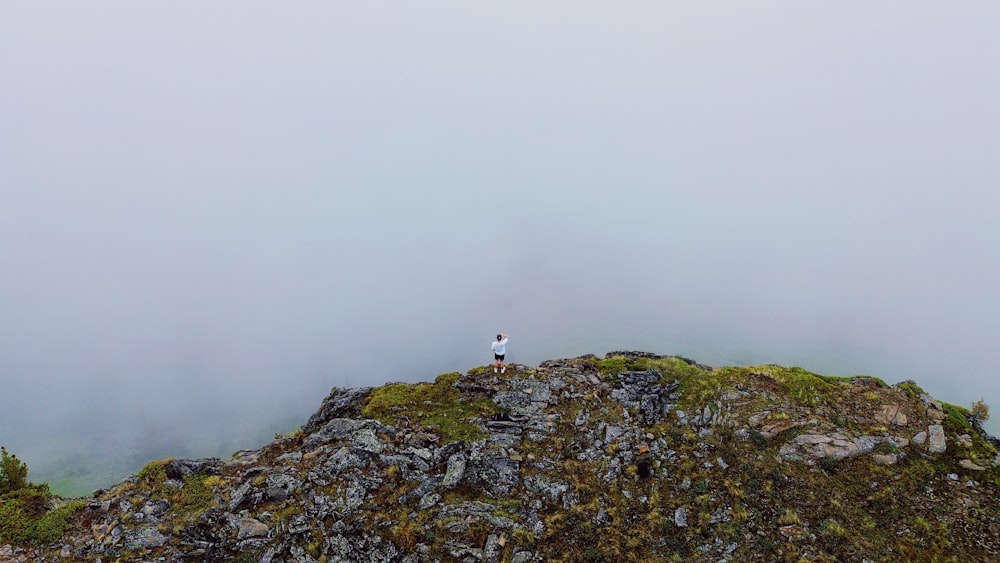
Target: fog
(211,214)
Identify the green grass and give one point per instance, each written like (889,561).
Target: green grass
(25,515)
(956,420)
(611,367)
(436,405)
(805,387)
(911,389)
(481,370)
(190,501)
(23,519)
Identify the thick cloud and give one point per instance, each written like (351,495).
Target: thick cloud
(211,214)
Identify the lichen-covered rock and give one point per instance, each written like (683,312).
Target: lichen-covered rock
(145,537)
(362,433)
(643,392)
(280,485)
(455,471)
(155,507)
(680,517)
(340,403)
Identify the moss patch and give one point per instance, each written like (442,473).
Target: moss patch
(190,500)
(439,406)
(911,389)
(805,387)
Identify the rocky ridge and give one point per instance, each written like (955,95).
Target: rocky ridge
(635,456)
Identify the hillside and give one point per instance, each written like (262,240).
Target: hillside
(631,457)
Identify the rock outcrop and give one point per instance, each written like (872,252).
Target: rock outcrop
(635,456)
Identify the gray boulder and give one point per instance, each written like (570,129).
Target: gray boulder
(936,442)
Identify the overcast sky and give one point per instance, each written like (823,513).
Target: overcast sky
(210,213)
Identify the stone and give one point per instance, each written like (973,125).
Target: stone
(428,500)
(514,402)
(251,528)
(936,442)
(340,403)
(492,550)
(346,458)
(891,414)
(280,486)
(455,471)
(354,496)
(551,490)
(793,532)
(268,556)
(613,433)
(240,496)
(299,524)
(175,469)
(919,438)
(643,392)
(362,433)
(680,517)
(366,439)
(422,453)
(101,507)
(494,470)
(155,507)
(835,446)
(291,458)
(144,537)
(885,459)
(175,484)
(971,465)
(602,518)
(777,427)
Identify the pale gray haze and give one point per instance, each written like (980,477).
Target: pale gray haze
(212,212)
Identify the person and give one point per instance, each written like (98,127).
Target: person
(499,347)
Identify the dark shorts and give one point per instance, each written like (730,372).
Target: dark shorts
(498,357)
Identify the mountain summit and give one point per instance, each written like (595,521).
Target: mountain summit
(635,456)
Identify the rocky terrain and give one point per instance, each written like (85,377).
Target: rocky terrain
(633,457)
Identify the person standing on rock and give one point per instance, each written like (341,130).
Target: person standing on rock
(499,347)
